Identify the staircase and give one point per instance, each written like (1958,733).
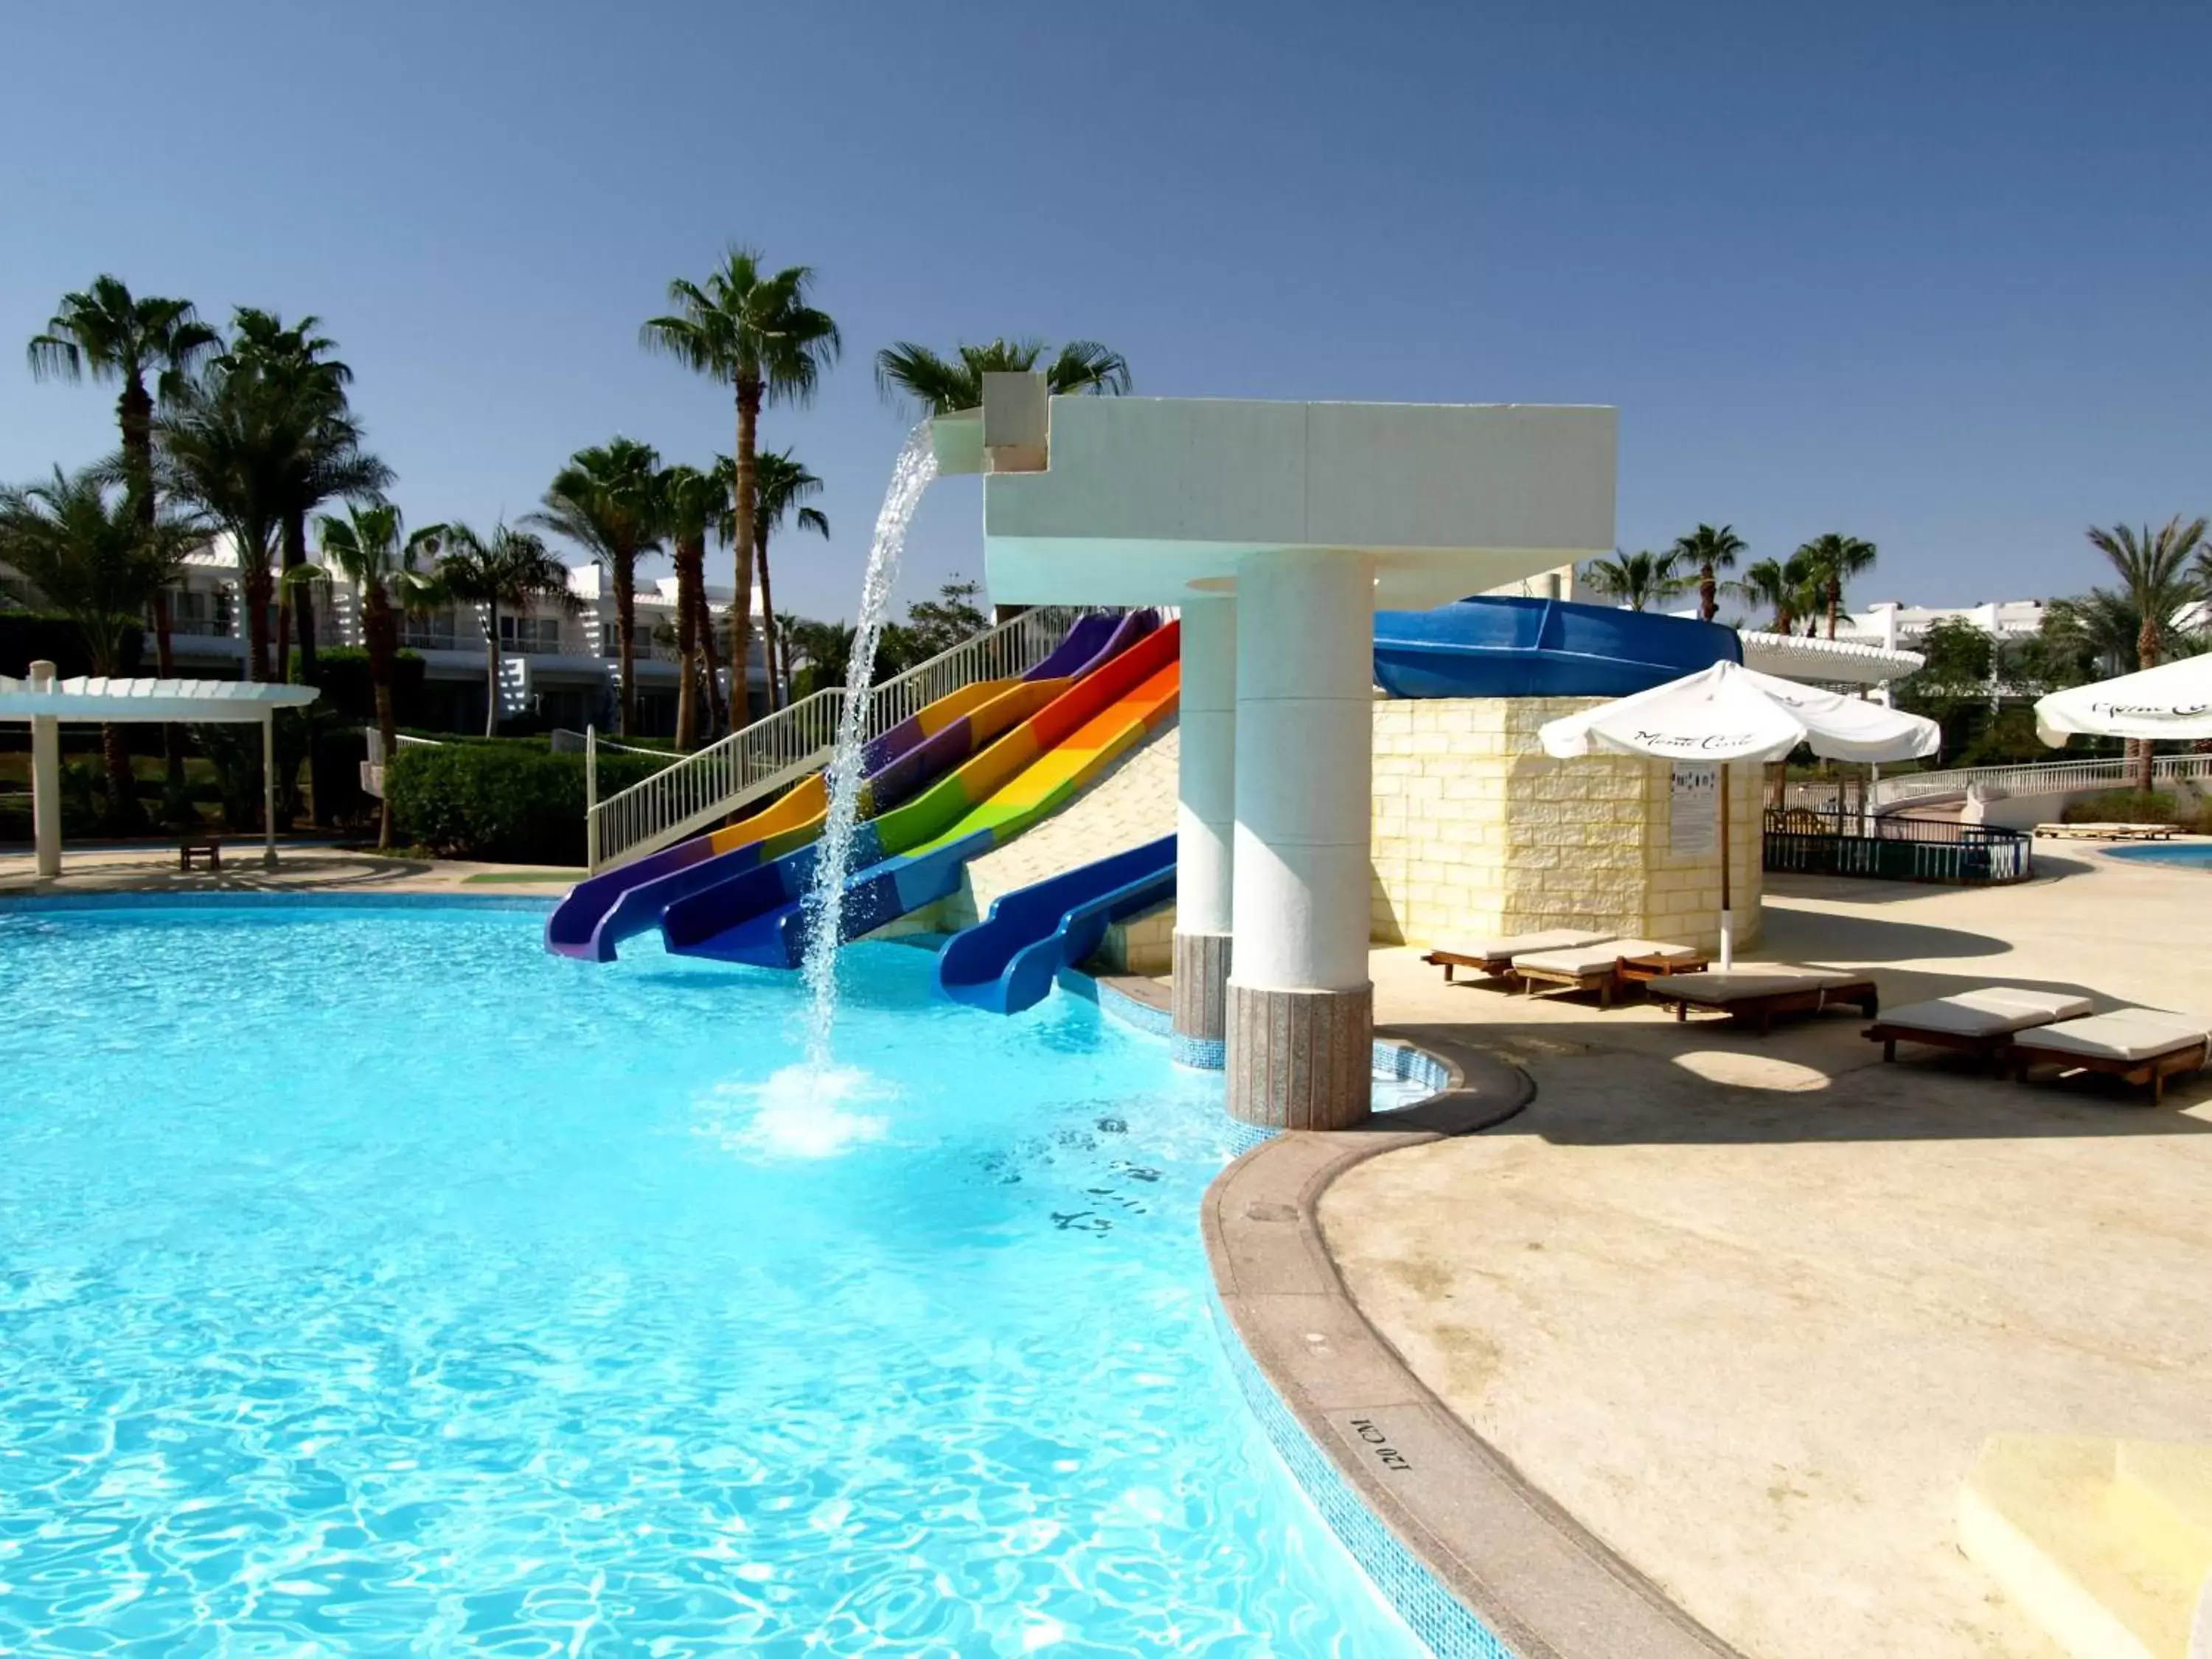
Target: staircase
(703,789)
(2106,1544)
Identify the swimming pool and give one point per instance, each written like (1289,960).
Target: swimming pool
(372,1281)
(2189,855)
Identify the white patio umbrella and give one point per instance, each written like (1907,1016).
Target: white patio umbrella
(1728,712)
(2172,701)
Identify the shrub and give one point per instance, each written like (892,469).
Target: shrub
(2125,806)
(342,674)
(503,802)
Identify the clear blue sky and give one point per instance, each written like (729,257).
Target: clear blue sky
(1938,275)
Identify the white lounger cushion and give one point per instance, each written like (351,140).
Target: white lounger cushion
(1737,984)
(1555,938)
(1991,1013)
(2130,1034)
(1583,960)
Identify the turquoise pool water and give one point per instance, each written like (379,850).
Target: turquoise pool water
(372,1282)
(2193,855)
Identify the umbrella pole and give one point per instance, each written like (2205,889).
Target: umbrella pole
(1728,921)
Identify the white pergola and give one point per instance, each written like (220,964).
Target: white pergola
(46,702)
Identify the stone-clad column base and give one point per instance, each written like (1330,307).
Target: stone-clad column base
(1301,1059)
(1201,997)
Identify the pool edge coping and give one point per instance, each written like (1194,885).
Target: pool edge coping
(1524,1574)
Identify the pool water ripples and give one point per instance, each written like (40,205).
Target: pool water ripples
(373,1282)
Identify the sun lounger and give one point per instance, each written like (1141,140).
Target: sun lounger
(2143,1045)
(2105,831)
(1756,995)
(1981,1023)
(1493,958)
(1605,967)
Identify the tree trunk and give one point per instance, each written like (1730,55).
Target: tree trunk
(1835,604)
(134,412)
(255,591)
(1708,599)
(491,669)
(717,713)
(123,816)
(2147,656)
(380,634)
(689,557)
(302,612)
(303,602)
(625,575)
(742,545)
(768,620)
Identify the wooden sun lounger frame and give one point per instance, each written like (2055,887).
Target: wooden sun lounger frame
(2105,831)
(2154,1069)
(1762,1006)
(1610,982)
(1490,967)
(1990,1046)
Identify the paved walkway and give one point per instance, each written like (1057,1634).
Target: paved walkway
(299,869)
(1748,1308)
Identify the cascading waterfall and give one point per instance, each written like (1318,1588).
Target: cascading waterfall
(825,900)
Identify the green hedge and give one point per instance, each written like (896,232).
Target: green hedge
(2132,806)
(504,804)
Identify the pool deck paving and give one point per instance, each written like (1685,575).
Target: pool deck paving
(1748,1308)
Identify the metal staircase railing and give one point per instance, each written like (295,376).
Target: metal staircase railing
(702,788)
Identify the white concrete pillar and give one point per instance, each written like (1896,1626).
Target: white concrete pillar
(1205,827)
(1300,1007)
(45,780)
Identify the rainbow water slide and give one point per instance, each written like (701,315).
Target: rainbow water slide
(913,854)
(603,910)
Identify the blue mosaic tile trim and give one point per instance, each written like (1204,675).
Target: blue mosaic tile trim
(1446,1625)
(1199,1054)
(1154,1022)
(301,901)
(1399,1060)
(1244,1137)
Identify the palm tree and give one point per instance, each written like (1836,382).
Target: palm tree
(510,567)
(91,555)
(1709,551)
(1638,581)
(826,650)
(390,571)
(938,385)
(2156,580)
(692,503)
(105,332)
(1792,590)
(607,501)
(782,484)
(756,332)
(1832,559)
(294,366)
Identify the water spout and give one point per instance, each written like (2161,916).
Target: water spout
(825,899)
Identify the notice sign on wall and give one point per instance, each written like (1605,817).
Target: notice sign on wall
(1694,814)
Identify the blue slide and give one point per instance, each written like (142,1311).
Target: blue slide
(1007,962)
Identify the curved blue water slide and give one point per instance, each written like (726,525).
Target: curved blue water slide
(757,915)
(1008,962)
(601,911)
(1517,647)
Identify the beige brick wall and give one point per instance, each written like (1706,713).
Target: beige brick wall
(1478,834)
